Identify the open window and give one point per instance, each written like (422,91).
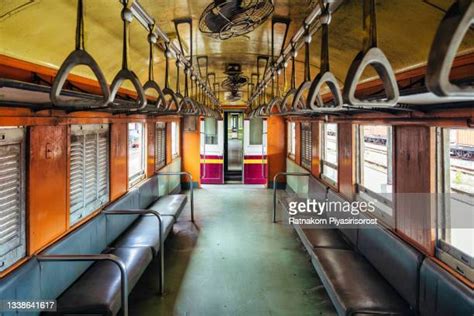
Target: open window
(455,179)
(306,145)
(329,158)
(211,131)
(174,139)
(12,197)
(160,145)
(375,168)
(88,170)
(256,131)
(136,153)
(291,139)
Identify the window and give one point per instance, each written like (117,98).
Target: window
(88,171)
(455,178)
(291,139)
(12,196)
(160,146)
(306,144)
(374,168)
(136,153)
(210,130)
(174,139)
(256,131)
(329,152)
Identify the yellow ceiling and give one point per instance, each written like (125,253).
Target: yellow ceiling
(42,31)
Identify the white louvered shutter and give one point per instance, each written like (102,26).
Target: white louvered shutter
(89,165)
(306,144)
(12,201)
(160,146)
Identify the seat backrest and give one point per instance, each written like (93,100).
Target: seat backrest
(350,234)
(395,260)
(22,284)
(316,189)
(116,224)
(89,238)
(296,184)
(148,192)
(442,294)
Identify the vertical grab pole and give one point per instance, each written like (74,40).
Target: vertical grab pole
(274,197)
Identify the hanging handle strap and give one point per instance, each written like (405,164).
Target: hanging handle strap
(299,101)
(151,83)
(177,23)
(315,101)
(449,36)
(125,74)
(167,64)
(293,66)
(369,25)
(79,57)
(371,55)
(286,23)
(307,66)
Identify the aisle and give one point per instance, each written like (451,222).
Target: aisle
(234,263)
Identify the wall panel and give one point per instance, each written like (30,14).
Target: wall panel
(191,155)
(47,185)
(276,146)
(150,149)
(315,149)
(298,143)
(346,157)
(118,160)
(415,173)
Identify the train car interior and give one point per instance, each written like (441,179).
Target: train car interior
(237,157)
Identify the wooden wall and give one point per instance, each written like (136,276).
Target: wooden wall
(315,149)
(48,184)
(47,167)
(276,147)
(192,159)
(118,160)
(415,174)
(414,167)
(346,160)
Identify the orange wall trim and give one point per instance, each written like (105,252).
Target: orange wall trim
(118,160)
(191,152)
(346,157)
(414,158)
(151,149)
(17,69)
(47,183)
(276,146)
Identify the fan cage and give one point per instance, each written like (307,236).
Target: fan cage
(255,12)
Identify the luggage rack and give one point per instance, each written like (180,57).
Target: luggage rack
(435,92)
(42,97)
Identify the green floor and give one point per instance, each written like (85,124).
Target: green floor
(234,262)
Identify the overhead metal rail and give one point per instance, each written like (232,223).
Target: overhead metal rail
(146,20)
(310,25)
(448,38)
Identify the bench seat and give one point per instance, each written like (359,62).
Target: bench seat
(325,238)
(442,294)
(97,291)
(355,286)
(170,204)
(317,237)
(144,232)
